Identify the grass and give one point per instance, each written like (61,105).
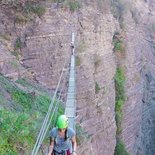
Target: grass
(119,45)
(17,132)
(18,44)
(22,98)
(97,60)
(119,102)
(14,64)
(120,149)
(21,18)
(16,54)
(81,47)
(20,124)
(35,8)
(28,12)
(97,88)
(73,5)
(77,61)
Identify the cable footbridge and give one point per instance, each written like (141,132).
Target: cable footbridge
(70,107)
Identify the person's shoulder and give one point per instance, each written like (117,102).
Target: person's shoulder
(70,131)
(54,129)
(53,132)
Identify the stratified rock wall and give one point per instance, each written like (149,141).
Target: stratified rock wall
(95,108)
(138,120)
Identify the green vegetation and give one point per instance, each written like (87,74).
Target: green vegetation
(14,64)
(81,47)
(97,88)
(119,101)
(120,97)
(17,132)
(16,54)
(34,8)
(73,5)
(77,61)
(18,44)
(97,60)
(23,98)
(21,18)
(119,45)
(24,10)
(21,122)
(120,149)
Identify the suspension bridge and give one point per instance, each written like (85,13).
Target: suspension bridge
(70,107)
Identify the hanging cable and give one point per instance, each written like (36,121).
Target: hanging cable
(36,146)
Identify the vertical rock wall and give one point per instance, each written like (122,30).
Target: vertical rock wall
(95,81)
(138,120)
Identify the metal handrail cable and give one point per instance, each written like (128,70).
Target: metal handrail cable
(36,147)
(55,108)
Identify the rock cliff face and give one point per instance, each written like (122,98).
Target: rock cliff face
(138,125)
(47,46)
(95,82)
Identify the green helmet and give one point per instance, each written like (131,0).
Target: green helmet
(62,122)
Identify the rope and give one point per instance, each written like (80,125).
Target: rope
(41,133)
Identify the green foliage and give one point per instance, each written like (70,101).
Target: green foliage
(119,84)
(73,5)
(120,97)
(21,18)
(5,83)
(77,61)
(81,47)
(16,54)
(18,43)
(120,149)
(119,45)
(97,60)
(24,9)
(34,8)
(14,64)
(58,1)
(119,101)
(97,88)
(17,132)
(23,98)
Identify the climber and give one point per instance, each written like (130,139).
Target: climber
(62,138)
